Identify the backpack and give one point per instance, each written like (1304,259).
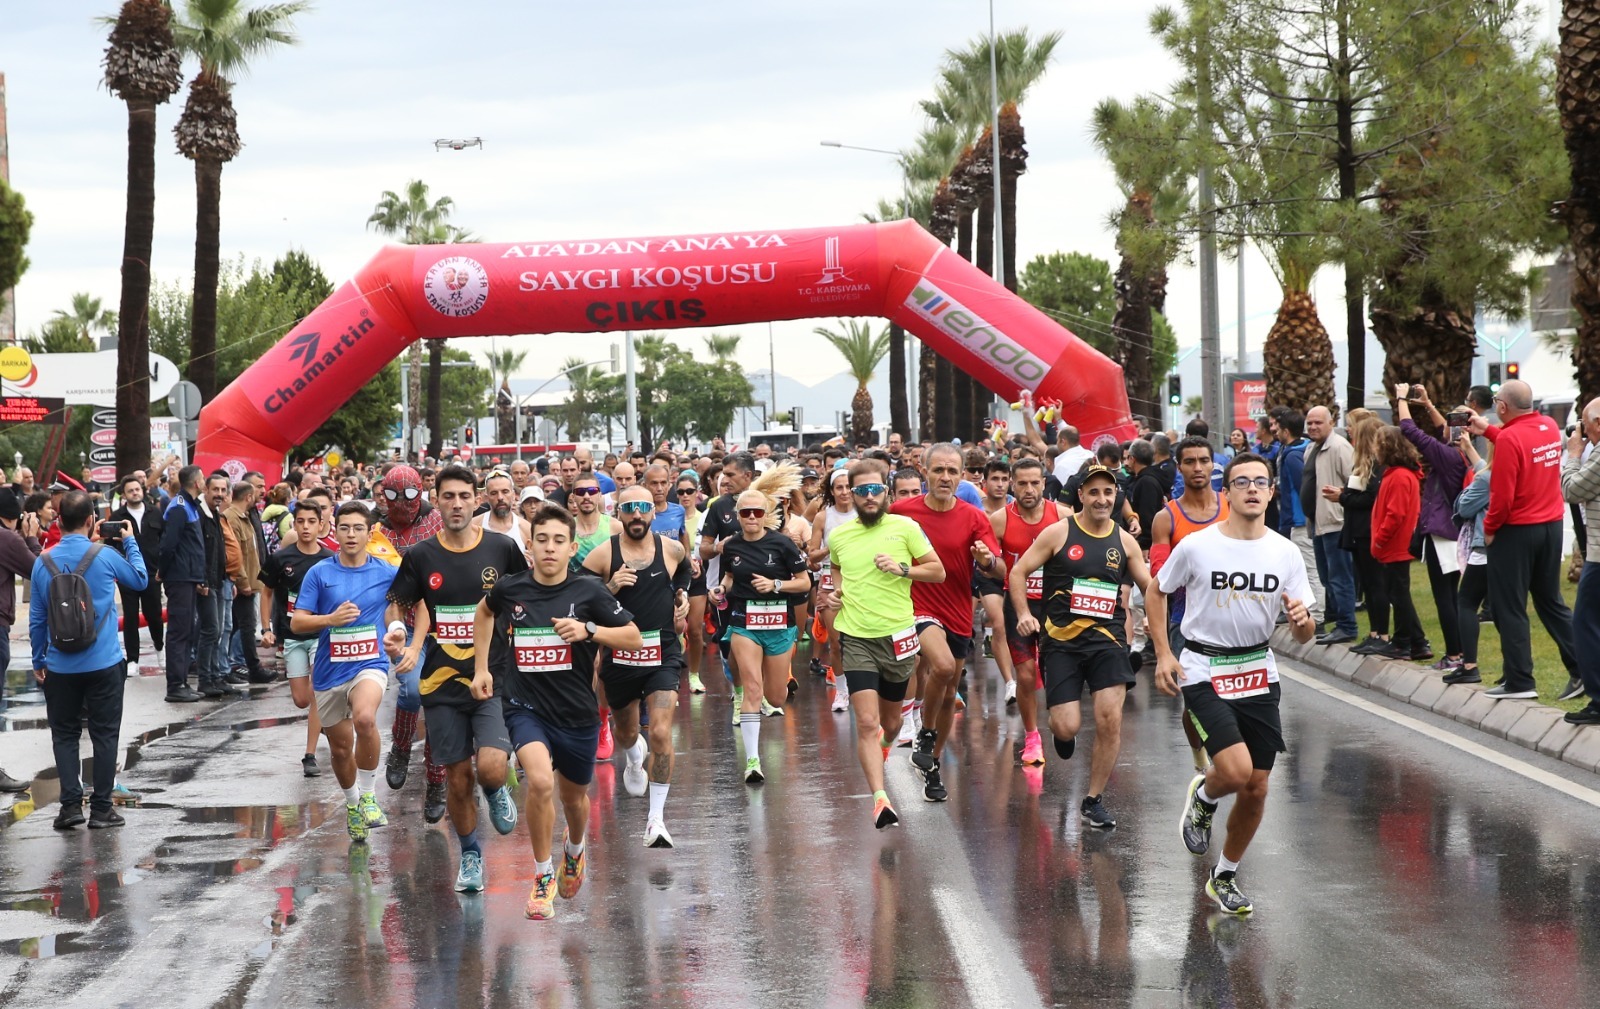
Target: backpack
(73,621)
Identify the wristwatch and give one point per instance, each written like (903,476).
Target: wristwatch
(905,570)
(590,627)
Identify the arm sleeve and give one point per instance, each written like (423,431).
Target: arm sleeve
(170,534)
(129,565)
(982,529)
(1580,482)
(1474,499)
(271,572)
(14,553)
(38,603)
(1297,585)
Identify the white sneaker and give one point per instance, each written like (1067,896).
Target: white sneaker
(656,836)
(1011,691)
(916,719)
(633,776)
(841,699)
(770,711)
(908,732)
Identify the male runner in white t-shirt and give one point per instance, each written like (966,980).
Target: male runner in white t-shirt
(1238,576)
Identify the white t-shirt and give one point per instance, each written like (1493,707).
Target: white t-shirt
(1070,461)
(1235,592)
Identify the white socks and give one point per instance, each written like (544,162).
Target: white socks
(1200,794)
(574,850)
(750,729)
(545,868)
(1223,865)
(658,799)
(367,781)
(352,795)
(636,752)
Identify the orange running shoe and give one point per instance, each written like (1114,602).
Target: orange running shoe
(542,898)
(572,870)
(883,815)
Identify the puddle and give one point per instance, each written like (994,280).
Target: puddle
(46,946)
(267,723)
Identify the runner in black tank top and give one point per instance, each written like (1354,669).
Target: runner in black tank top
(649,574)
(1087,562)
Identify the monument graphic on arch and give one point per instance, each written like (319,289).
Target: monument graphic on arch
(408,292)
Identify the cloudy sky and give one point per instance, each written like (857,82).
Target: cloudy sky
(598,119)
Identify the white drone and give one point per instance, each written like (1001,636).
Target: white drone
(458,145)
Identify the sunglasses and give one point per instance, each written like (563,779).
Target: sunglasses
(684,491)
(636,507)
(752,513)
(411,493)
(585,491)
(869,490)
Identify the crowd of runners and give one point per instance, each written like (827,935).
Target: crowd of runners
(541,618)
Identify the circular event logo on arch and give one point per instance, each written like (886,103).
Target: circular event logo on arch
(456,286)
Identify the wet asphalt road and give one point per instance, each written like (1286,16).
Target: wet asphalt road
(1391,870)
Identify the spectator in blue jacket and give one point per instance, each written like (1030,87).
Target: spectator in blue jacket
(1470,507)
(183,572)
(1291,511)
(88,682)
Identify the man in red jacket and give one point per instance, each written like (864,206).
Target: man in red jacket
(1522,530)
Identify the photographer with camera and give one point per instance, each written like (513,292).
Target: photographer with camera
(77,653)
(1437,528)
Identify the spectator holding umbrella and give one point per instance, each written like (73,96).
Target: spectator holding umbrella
(1394,522)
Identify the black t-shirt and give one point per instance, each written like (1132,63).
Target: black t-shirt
(721,519)
(538,670)
(282,572)
(773,556)
(450,583)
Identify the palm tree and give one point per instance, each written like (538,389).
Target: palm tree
(862,350)
(1143,142)
(1577,81)
(225,37)
(577,414)
(412,219)
(143,68)
(722,345)
(502,365)
(931,166)
(87,318)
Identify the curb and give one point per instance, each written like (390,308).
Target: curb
(1527,723)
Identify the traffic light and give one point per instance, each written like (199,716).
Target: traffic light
(1175,390)
(467,435)
(1513,370)
(1494,376)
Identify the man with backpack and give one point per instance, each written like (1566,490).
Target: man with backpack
(77,652)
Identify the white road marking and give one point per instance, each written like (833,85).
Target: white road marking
(1513,764)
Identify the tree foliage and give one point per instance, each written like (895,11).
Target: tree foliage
(15,224)
(1079,291)
(679,398)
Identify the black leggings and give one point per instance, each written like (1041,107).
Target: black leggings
(1372,583)
(1407,628)
(1471,594)
(1444,585)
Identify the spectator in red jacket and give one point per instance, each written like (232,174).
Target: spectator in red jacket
(1523,532)
(1394,521)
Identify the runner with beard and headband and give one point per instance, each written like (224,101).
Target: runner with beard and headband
(1086,561)
(875,558)
(501,495)
(991,594)
(961,535)
(1238,577)
(1199,506)
(442,580)
(549,624)
(649,575)
(1018,525)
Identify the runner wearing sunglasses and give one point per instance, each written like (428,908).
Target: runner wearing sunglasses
(875,557)
(1237,578)
(649,575)
(761,569)
(594,525)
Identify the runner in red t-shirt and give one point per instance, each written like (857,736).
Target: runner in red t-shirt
(961,535)
(1018,525)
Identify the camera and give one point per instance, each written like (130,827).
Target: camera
(1416,392)
(113,530)
(1458,418)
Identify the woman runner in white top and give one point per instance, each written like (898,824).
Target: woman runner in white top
(837,509)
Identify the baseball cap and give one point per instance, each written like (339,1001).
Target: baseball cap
(1098,470)
(531,492)
(810,474)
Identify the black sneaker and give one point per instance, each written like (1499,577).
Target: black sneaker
(1421,653)
(237,675)
(308,766)
(1584,716)
(262,678)
(69,817)
(433,802)
(1095,814)
(102,821)
(922,759)
(211,689)
(183,695)
(1195,824)
(395,768)
(1392,650)
(1574,690)
(1223,888)
(933,789)
(1065,748)
(816,667)
(1464,675)
(1371,646)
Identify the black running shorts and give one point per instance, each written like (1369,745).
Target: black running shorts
(456,733)
(1068,669)
(1253,721)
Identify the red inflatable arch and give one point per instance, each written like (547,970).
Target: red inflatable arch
(897,271)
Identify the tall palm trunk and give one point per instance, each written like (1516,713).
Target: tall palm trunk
(1013,162)
(1432,343)
(899,411)
(1577,81)
(435,397)
(1299,356)
(207,265)
(957,398)
(978,395)
(932,369)
(414,390)
(133,320)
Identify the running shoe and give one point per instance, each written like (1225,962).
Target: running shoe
(695,686)
(370,812)
(961,703)
(433,804)
(1371,644)
(933,789)
(1065,748)
(656,836)
(122,796)
(752,771)
(816,667)
(1573,691)
(1011,692)
(922,758)
(769,711)
(607,745)
(502,810)
(841,699)
(1223,888)
(513,779)
(883,815)
(1448,664)
(988,646)
(1500,693)
(794,685)
(1032,750)
(1421,652)
(394,770)
(308,766)
(542,898)
(1095,814)
(1195,824)
(738,703)
(470,878)
(633,776)
(355,822)
(572,870)
(885,754)
(908,732)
